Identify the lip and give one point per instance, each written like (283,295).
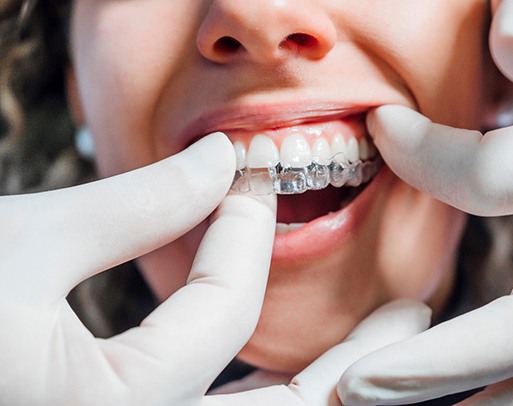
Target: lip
(264,117)
(324,234)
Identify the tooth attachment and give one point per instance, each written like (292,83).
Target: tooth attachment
(287,180)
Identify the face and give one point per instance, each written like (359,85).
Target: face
(155,75)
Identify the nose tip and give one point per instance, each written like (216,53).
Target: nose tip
(264,31)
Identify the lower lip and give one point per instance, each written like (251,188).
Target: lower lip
(325,234)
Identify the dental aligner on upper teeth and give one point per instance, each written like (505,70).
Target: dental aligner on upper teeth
(279,179)
(306,157)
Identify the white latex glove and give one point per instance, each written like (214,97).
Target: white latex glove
(52,241)
(468,352)
(466,169)
(474,173)
(316,385)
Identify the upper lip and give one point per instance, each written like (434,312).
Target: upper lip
(263,117)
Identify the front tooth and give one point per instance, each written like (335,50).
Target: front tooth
(339,149)
(321,151)
(364,149)
(240,154)
(353,152)
(262,152)
(295,152)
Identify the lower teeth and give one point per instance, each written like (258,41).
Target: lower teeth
(289,180)
(282,228)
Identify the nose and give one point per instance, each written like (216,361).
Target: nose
(265,30)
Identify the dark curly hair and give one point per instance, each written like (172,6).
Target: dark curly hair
(36,152)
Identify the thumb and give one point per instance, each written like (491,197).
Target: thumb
(98,225)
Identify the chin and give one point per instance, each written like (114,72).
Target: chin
(329,274)
(292,334)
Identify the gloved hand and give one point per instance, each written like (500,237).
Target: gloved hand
(51,241)
(473,172)
(316,385)
(468,352)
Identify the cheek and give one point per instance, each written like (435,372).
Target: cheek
(447,75)
(125,54)
(437,50)
(417,258)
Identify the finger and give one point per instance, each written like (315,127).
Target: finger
(501,38)
(192,336)
(468,352)
(317,384)
(460,167)
(71,234)
(498,394)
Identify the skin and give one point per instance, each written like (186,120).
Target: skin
(144,69)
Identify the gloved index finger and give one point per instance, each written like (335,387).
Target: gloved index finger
(198,330)
(460,167)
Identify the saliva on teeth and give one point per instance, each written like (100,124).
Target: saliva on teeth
(297,167)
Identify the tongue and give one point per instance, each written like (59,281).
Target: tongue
(310,205)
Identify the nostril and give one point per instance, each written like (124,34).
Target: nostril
(227,45)
(300,39)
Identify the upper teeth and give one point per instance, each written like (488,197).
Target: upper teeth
(296,152)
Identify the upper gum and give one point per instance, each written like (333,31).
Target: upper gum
(327,130)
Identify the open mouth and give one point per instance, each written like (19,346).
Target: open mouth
(295,211)
(315,168)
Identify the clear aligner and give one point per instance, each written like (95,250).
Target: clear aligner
(287,180)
